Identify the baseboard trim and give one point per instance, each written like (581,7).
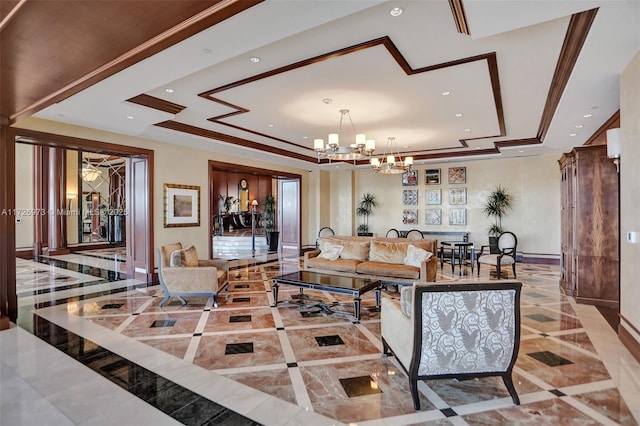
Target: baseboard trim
(541,260)
(628,341)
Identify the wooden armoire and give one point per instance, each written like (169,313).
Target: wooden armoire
(590,226)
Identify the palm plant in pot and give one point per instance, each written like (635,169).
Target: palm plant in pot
(496,205)
(367,204)
(269,222)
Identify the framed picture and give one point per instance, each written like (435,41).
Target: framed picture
(457,175)
(410,197)
(432,177)
(457,196)
(410,216)
(410,178)
(181,205)
(433,216)
(433,196)
(457,216)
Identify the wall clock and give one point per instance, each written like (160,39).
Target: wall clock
(243,184)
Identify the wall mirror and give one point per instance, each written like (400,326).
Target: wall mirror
(243,195)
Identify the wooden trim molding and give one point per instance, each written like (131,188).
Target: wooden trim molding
(8,294)
(459,17)
(156,103)
(627,339)
(602,129)
(577,32)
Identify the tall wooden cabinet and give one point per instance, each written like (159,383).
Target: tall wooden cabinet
(589,226)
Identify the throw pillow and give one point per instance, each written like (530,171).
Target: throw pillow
(175,259)
(406,300)
(189,257)
(415,256)
(331,251)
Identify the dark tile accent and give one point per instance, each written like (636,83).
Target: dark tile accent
(279,328)
(329,340)
(292,364)
(310,313)
(83,269)
(448,412)
(197,334)
(163,323)
(544,335)
(296,296)
(549,358)
(238,348)
(136,313)
(540,318)
(557,393)
(241,299)
(240,318)
(206,310)
(241,286)
(174,400)
(359,386)
(112,306)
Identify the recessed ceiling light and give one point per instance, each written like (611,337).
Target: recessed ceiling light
(446,93)
(522,150)
(467,130)
(327,101)
(130,117)
(270,125)
(477,147)
(207,51)
(304,137)
(459,114)
(579,126)
(587,115)
(396,11)
(168,90)
(572,134)
(254,59)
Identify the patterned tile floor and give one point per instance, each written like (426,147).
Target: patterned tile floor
(313,368)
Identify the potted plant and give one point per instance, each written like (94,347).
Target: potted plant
(496,205)
(228,202)
(269,222)
(367,204)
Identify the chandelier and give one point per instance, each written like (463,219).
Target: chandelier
(391,162)
(334,151)
(90,173)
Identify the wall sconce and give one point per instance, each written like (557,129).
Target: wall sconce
(254,204)
(70,197)
(614,145)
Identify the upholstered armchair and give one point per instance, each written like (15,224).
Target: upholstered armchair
(458,330)
(182,274)
(507,243)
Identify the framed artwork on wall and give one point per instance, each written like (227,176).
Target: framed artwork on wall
(457,216)
(457,175)
(432,177)
(410,178)
(433,216)
(433,196)
(457,196)
(410,216)
(410,197)
(181,205)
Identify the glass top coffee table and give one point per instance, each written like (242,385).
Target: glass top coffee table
(355,287)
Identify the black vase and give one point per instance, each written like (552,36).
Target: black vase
(272,240)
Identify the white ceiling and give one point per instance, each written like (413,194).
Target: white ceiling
(384,101)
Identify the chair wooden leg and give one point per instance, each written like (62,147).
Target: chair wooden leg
(478,268)
(414,394)
(514,270)
(215,301)
(498,270)
(508,382)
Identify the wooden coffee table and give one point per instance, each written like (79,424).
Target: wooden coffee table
(355,287)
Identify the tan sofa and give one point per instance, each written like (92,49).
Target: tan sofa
(375,257)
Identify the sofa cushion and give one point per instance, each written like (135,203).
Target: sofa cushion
(165,253)
(342,265)
(388,252)
(355,250)
(406,300)
(416,255)
(383,269)
(331,251)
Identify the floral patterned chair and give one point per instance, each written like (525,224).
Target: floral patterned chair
(459,330)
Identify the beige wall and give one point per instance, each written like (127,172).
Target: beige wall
(630,197)
(24,196)
(177,165)
(534,181)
